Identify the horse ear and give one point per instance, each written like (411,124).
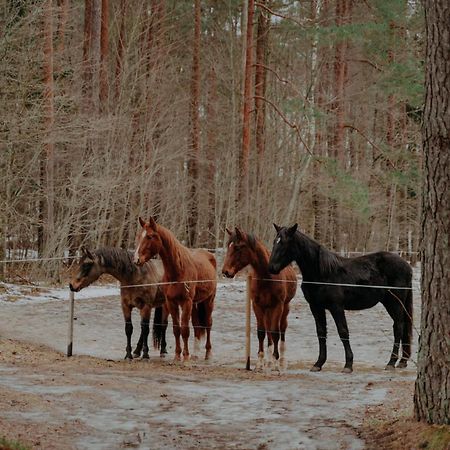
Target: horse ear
(239,234)
(87,253)
(277,227)
(142,222)
(228,231)
(292,230)
(152,222)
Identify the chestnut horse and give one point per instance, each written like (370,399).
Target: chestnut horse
(119,263)
(190,275)
(270,298)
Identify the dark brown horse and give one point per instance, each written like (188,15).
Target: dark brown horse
(329,283)
(191,282)
(270,297)
(119,263)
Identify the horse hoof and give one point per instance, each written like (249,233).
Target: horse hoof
(162,354)
(347,370)
(315,369)
(389,367)
(402,364)
(145,356)
(136,355)
(128,356)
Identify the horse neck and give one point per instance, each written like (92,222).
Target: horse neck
(306,253)
(114,271)
(260,262)
(173,254)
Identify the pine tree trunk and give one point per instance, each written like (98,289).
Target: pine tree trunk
(104,44)
(49,120)
(432,390)
(247,100)
(120,46)
(260,81)
(195,128)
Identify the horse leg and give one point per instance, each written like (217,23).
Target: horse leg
(270,338)
(275,328)
(209,306)
(138,348)
(186,312)
(164,324)
(397,316)
(197,330)
(341,325)
(128,328)
(283,326)
(261,331)
(175,313)
(145,330)
(321,329)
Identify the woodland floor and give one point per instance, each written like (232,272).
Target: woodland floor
(95,400)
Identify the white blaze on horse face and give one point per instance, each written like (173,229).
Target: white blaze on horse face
(136,252)
(278,240)
(231,245)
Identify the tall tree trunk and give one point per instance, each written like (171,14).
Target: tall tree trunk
(432,390)
(49,120)
(120,46)
(247,102)
(104,44)
(260,81)
(343,11)
(195,128)
(87,63)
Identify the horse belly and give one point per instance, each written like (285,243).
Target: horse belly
(360,298)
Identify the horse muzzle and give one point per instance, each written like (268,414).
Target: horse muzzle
(74,289)
(227,273)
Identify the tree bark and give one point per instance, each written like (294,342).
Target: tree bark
(432,389)
(49,120)
(260,81)
(104,44)
(195,128)
(120,46)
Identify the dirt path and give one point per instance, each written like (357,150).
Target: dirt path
(87,402)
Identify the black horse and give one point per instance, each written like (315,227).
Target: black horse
(322,270)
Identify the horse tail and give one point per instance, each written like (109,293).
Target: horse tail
(408,324)
(159,327)
(199,319)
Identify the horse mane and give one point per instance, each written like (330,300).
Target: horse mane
(118,259)
(180,253)
(328,261)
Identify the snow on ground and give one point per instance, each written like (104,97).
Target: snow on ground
(208,409)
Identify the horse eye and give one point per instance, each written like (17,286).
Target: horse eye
(149,237)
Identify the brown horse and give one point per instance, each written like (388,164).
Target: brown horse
(119,263)
(270,298)
(191,282)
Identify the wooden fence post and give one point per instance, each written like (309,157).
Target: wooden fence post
(70,332)
(248,322)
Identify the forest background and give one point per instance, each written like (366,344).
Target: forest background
(178,109)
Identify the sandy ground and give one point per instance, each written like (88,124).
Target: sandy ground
(95,400)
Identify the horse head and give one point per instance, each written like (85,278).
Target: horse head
(89,269)
(281,255)
(149,242)
(240,252)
